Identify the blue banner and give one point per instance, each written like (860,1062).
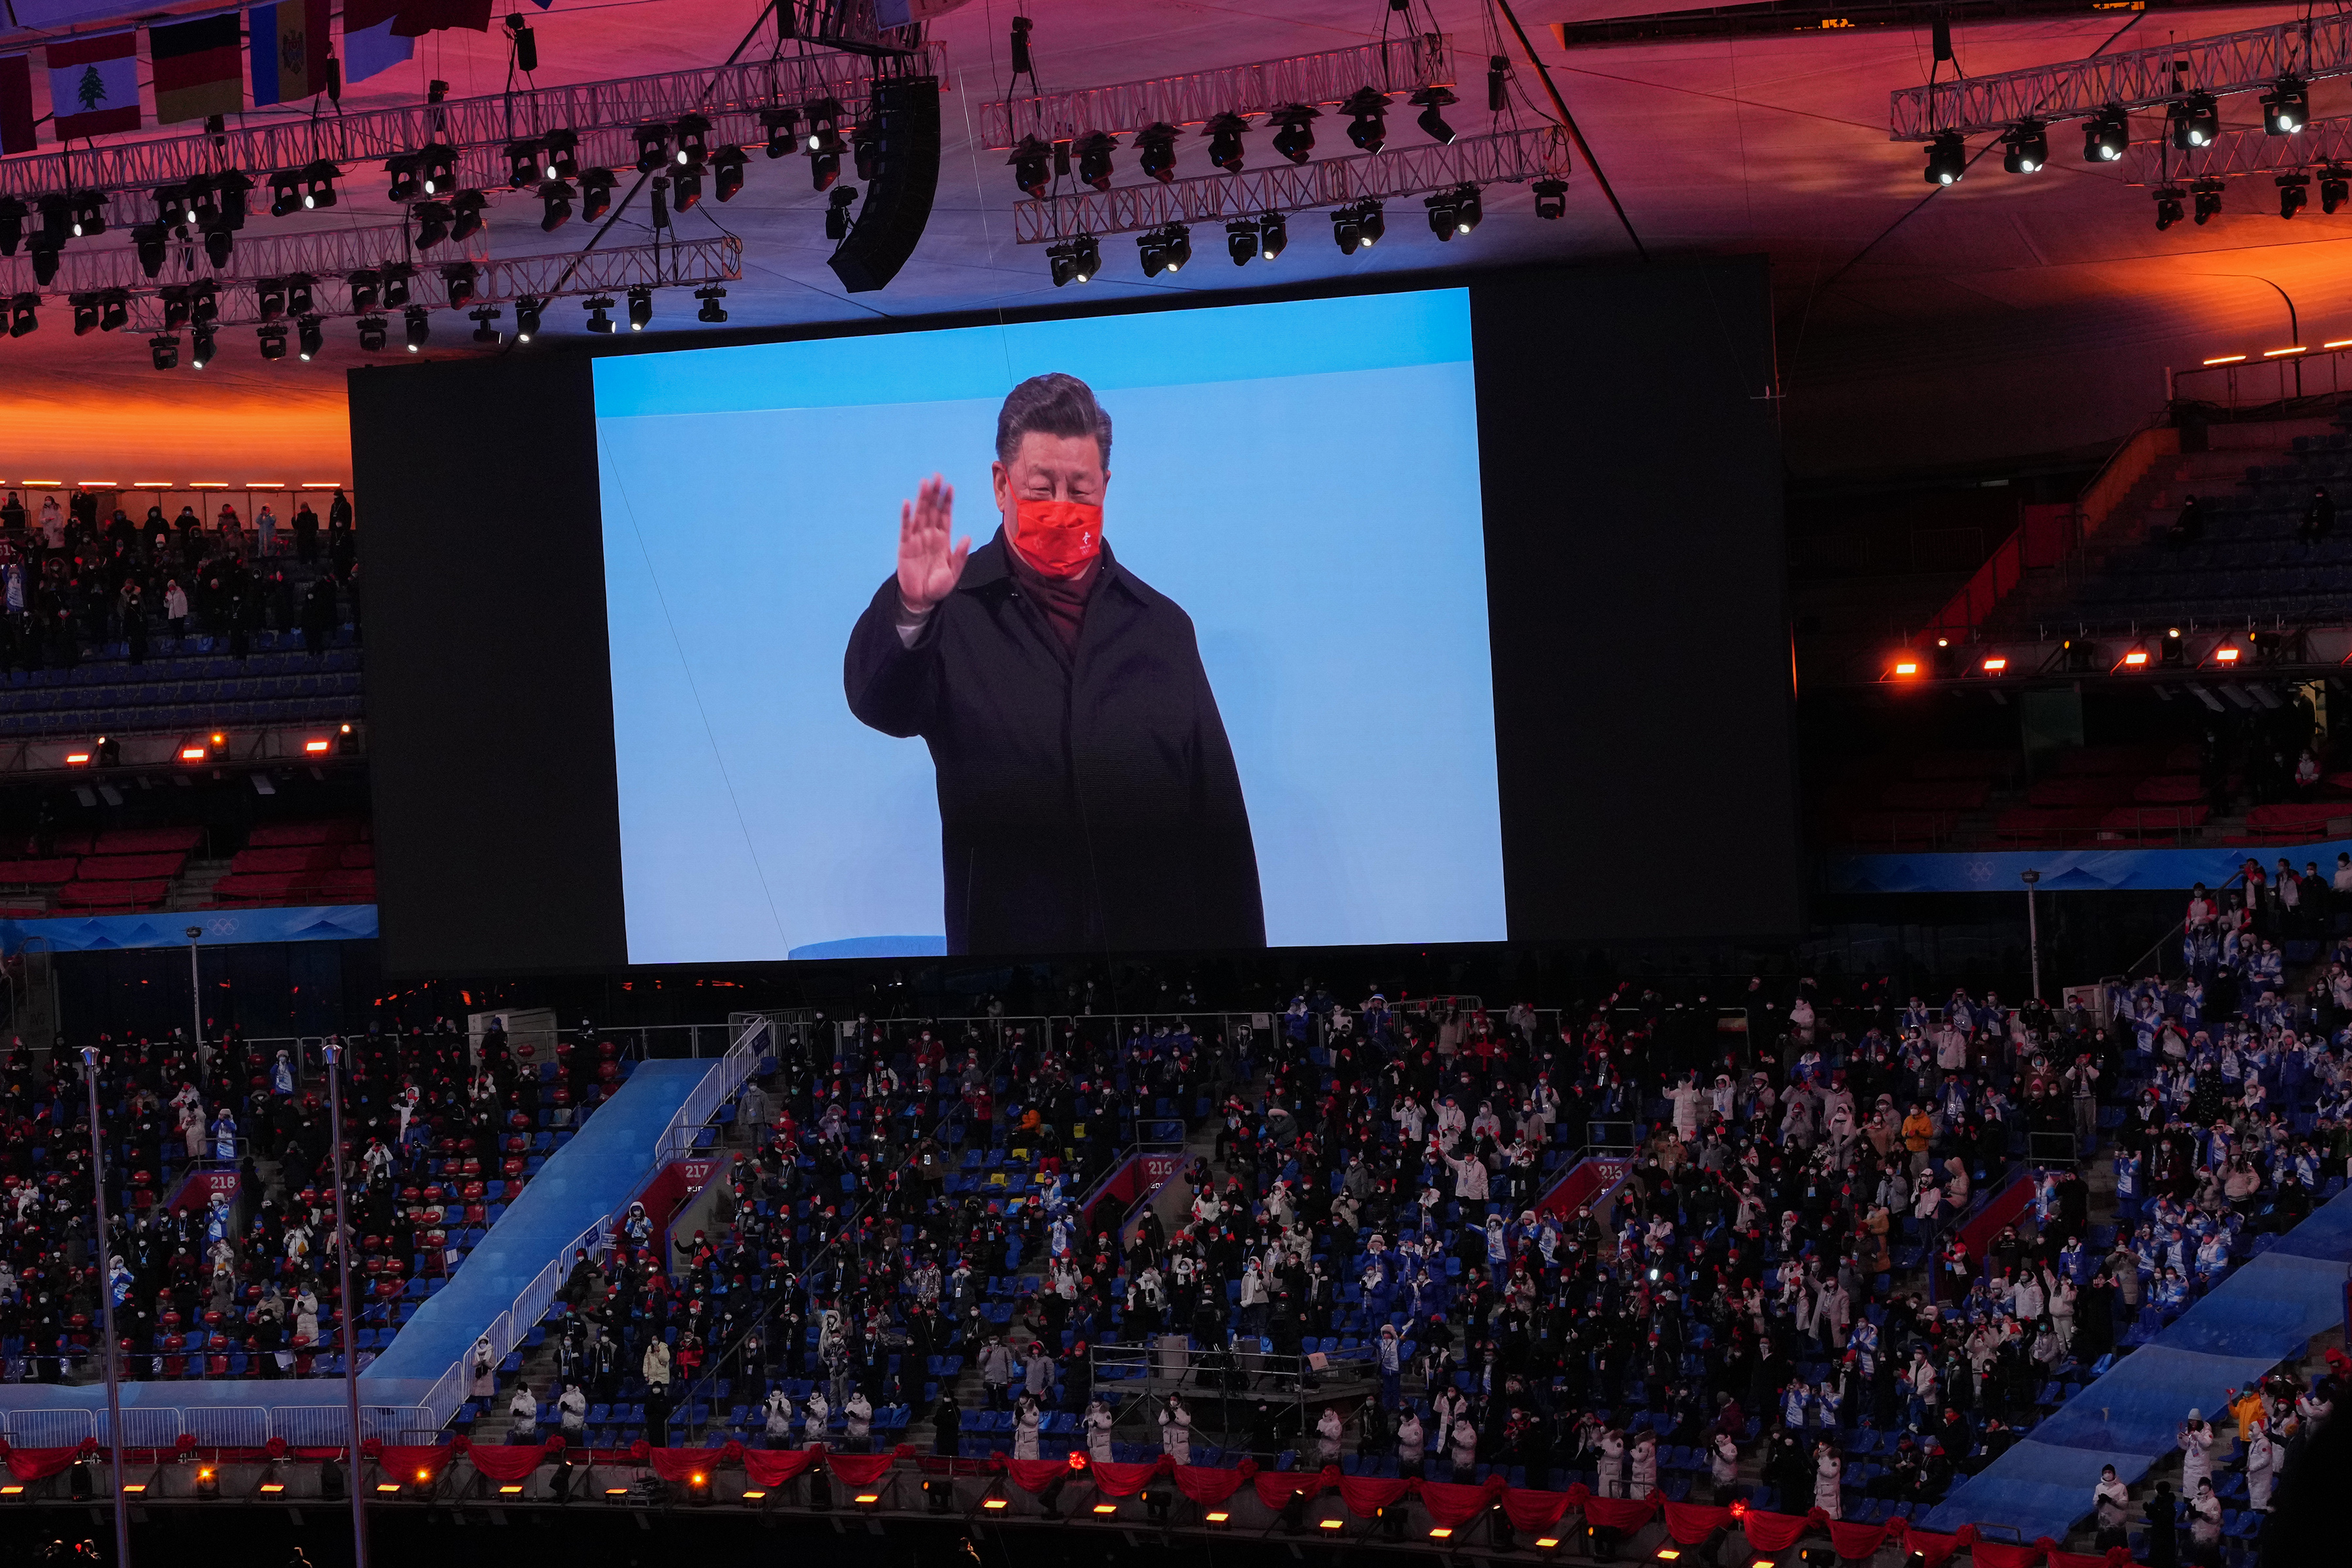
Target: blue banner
(169,928)
(2065,870)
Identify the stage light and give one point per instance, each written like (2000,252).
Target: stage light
(2136,659)
(285,194)
(484,332)
(318,184)
(1441,210)
(2193,121)
(317,748)
(24,314)
(692,133)
(218,246)
(273,341)
(465,216)
(1905,669)
(1432,102)
(406,184)
(432,224)
(555,205)
(191,753)
(712,312)
(1061,264)
(1374,219)
(2107,135)
(301,294)
(372,335)
(1294,1514)
(784,129)
(836,211)
(270,297)
(641,309)
(1106,1509)
(13,213)
(1164,249)
(177,308)
(165,352)
(459,279)
(1551,199)
(2171,206)
(1156,1503)
(1995,664)
(2293,193)
(1241,241)
(653,146)
(1225,134)
(1668,1553)
(134,1488)
(1547,1545)
(1330,1524)
(1155,151)
(437,171)
(1947,158)
(727,172)
(523,165)
(595,193)
(148,241)
(2286,108)
(200,347)
(698,1487)
(825,168)
(869,1501)
(1367,109)
(686,191)
(2206,198)
(1294,130)
(1499,1532)
(113,310)
(85,315)
(598,321)
(939,1494)
(88,216)
(419,323)
(1029,164)
(207,1482)
(753,1494)
(79,1480)
(1093,152)
(397,279)
(2025,148)
(307,338)
(1348,229)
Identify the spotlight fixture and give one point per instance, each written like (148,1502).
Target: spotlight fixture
(13,213)
(459,279)
(1294,130)
(318,184)
(686,189)
(727,172)
(641,309)
(301,296)
(559,156)
(1551,199)
(1499,83)
(203,302)
(524,164)
(273,340)
(598,321)
(555,205)
(1432,102)
(46,257)
(782,126)
(527,315)
(85,315)
(270,297)
(177,307)
(113,311)
(2293,192)
(1087,253)
(406,184)
(285,194)
(149,240)
(837,222)
(219,244)
(2206,199)
(825,158)
(2286,108)
(653,146)
(1164,249)
(2107,135)
(595,193)
(465,216)
(309,338)
(432,223)
(201,347)
(1029,161)
(1155,151)
(1241,241)
(1367,109)
(1947,158)
(2335,185)
(2171,206)
(692,150)
(1073,260)
(1093,151)
(482,316)
(1442,211)
(1225,134)
(419,323)
(88,215)
(2193,121)
(526,44)
(397,279)
(712,312)
(1272,236)
(437,171)
(164,351)
(2025,149)
(372,335)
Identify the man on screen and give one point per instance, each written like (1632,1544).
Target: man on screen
(1087,795)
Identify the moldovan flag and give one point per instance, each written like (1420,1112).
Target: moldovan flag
(17,104)
(199,66)
(94,85)
(370,45)
(289,50)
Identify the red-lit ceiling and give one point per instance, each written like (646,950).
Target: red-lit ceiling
(2007,315)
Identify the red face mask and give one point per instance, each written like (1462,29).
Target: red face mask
(1059,538)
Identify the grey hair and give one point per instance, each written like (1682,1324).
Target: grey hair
(1052,404)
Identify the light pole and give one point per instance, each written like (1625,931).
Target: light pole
(345,1309)
(2033,931)
(106,1317)
(196,986)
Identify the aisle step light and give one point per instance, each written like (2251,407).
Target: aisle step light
(207,1482)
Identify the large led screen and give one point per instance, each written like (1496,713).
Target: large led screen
(1213,671)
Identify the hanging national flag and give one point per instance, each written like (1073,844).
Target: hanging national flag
(94,85)
(199,66)
(369,43)
(289,50)
(418,17)
(17,104)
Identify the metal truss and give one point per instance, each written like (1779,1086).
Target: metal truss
(2134,79)
(1511,157)
(322,254)
(603,113)
(1400,65)
(2237,152)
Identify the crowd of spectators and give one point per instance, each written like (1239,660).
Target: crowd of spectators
(71,584)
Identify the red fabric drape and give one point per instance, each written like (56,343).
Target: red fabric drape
(1367,1495)
(402,1463)
(1124,1480)
(859,1469)
(1857,1541)
(774,1467)
(1774,1532)
(1618,1512)
(2002,1554)
(1274,1487)
(1937,1549)
(39,1463)
(1453,1505)
(1211,1487)
(503,1462)
(1690,1523)
(677,1463)
(1530,1510)
(1034,1476)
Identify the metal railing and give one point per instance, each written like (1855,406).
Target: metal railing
(211,1426)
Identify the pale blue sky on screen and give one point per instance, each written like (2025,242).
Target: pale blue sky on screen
(1301,478)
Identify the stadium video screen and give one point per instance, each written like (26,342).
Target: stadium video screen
(1223,680)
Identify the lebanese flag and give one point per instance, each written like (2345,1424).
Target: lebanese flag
(16,133)
(199,66)
(94,85)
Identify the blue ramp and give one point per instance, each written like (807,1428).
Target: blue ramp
(2269,1309)
(581,1185)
